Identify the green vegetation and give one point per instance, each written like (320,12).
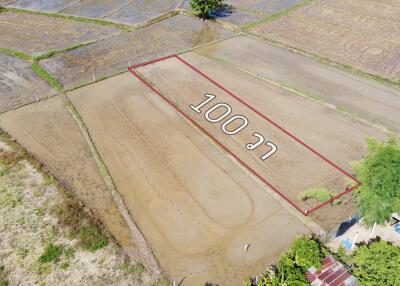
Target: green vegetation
(379,173)
(46,76)
(52,53)
(74,18)
(15,53)
(293,265)
(72,214)
(52,253)
(377,263)
(319,194)
(163,281)
(204,8)
(3,276)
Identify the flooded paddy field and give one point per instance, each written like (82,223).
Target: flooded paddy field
(19,85)
(370,100)
(362,34)
(113,55)
(196,206)
(37,34)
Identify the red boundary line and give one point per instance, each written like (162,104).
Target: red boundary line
(307,212)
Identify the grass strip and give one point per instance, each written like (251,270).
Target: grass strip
(52,53)
(102,22)
(46,76)
(274,16)
(15,53)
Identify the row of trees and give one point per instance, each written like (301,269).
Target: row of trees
(374,264)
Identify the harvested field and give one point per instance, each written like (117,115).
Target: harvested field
(143,10)
(5,2)
(37,34)
(108,57)
(196,206)
(49,132)
(263,7)
(43,5)
(363,34)
(19,85)
(94,8)
(332,134)
(368,99)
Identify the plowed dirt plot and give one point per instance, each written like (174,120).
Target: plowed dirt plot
(104,58)
(365,98)
(364,34)
(37,34)
(94,8)
(49,132)
(264,6)
(19,85)
(195,205)
(143,10)
(43,5)
(292,168)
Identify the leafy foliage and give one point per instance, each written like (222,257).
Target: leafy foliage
(293,265)
(320,194)
(377,264)
(203,8)
(51,253)
(379,173)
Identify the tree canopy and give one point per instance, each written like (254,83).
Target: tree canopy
(204,8)
(379,173)
(377,264)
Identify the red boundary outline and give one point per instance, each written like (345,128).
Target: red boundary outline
(306,212)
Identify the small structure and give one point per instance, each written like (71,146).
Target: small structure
(332,273)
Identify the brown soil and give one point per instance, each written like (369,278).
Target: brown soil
(108,57)
(36,34)
(19,85)
(337,136)
(195,205)
(363,33)
(49,132)
(364,98)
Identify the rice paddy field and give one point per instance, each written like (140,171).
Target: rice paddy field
(195,143)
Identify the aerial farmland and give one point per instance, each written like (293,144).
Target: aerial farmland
(156,143)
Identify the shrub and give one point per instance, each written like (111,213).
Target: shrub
(203,8)
(320,194)
(51,253)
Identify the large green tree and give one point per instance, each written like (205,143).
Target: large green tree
(292,266)
(204,8)
(379,173)
(377,264)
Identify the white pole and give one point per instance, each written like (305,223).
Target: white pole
(94,78)
(372,230)
(354,241)
(174,283)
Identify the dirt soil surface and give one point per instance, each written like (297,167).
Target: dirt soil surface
(94,8)
(43,5)
(49,132)
(364,34)
(196,206)
(338,137)
(37,34)
(19,85)
(365,98)
(110,56)
(263,7)
(143,10)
